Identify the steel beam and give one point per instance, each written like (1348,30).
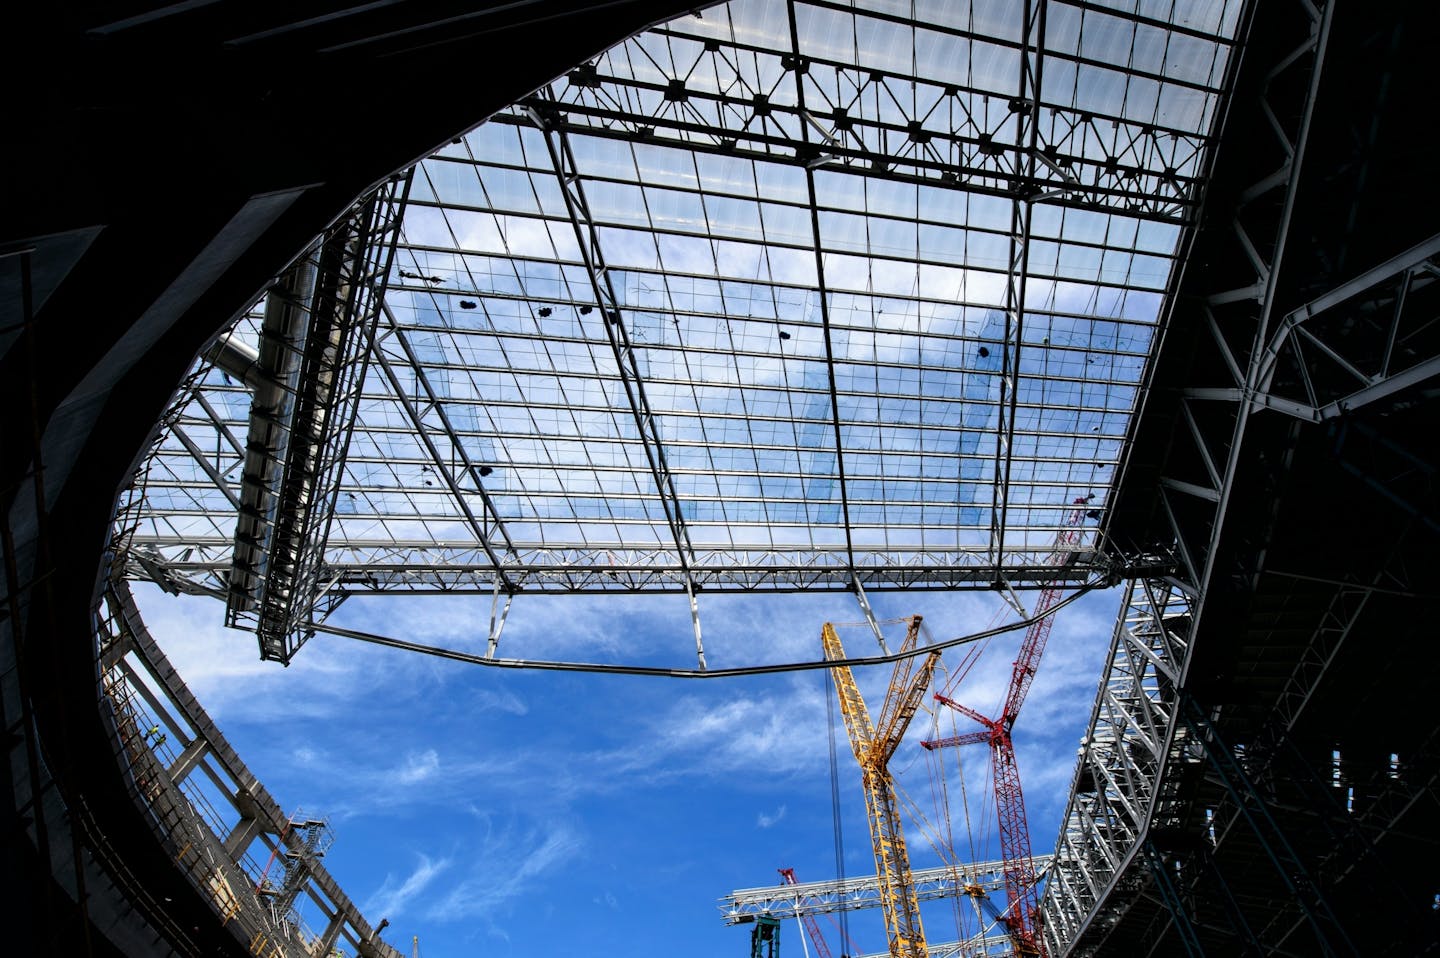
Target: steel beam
(544,113)
(1026,108)
(143,691)
(300,425)
(1337,331)
(849,894)
(485,532)
(726,107)
(806,148)
(416,567)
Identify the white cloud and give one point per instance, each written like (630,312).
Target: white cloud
(393,897)
(506,867)
(418,767)
(488,700)
(770,819)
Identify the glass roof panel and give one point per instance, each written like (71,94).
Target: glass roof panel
(728,310)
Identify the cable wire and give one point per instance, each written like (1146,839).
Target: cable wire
(471,658)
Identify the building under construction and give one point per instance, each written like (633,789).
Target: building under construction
(760,297)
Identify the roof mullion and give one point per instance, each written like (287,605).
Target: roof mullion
(1026,138)
(822,293)
(587,238)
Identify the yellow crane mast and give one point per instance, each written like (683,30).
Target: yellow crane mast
(873,745)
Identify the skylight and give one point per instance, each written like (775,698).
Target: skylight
(771,297)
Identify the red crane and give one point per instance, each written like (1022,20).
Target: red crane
(812,928)
(1020,880)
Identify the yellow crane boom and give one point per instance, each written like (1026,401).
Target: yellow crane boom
(872,751)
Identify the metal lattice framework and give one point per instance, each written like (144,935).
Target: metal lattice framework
(1114,794)
(216,818)
(769,298)
(807,899)
(863,891)
(1175,834)
(1142,748)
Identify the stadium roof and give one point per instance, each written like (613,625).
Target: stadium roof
(769,297)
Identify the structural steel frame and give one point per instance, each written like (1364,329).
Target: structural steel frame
(836,895)
(319,320)
(649,329)
(1149,743)
(208,807)
(1131,767)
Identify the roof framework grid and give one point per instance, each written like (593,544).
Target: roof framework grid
(773,297)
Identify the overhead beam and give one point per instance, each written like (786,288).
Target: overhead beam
(311,365)
(544,114)
(1090,160)
(850,894)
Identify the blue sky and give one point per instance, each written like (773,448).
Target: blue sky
(531,814)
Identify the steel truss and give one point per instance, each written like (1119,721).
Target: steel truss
(1360,343)
(931,884)
(1116,791)
(1133,799)
(208,807)
(721,95)
(1138,754)
(828,897)
(312,362)
(359,570)
(990,946)
(1151,748)
(731,308)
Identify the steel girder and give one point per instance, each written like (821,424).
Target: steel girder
(448,456)
(828,897)
(188,563)
(1135,757)
(988,946)
(1362,342)
(208,807)
(1077,182)
(1027,139)
(319,321)
(720,96)
(1116,789)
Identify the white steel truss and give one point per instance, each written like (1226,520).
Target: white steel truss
(834,895)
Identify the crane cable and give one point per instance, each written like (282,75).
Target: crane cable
(972,654)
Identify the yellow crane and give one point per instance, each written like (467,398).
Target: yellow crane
(873,745)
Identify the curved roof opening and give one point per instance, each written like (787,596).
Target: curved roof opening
(769,299)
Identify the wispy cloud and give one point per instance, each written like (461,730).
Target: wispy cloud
(418,767)
(487,700)
(770,819)
(507,866)
(394,896)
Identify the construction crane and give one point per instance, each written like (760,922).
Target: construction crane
(1020,875)
(873,745)
(812,927)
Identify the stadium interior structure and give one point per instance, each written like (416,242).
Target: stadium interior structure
(752,297)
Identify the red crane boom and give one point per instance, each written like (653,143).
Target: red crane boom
(1020,880)
(812,927)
